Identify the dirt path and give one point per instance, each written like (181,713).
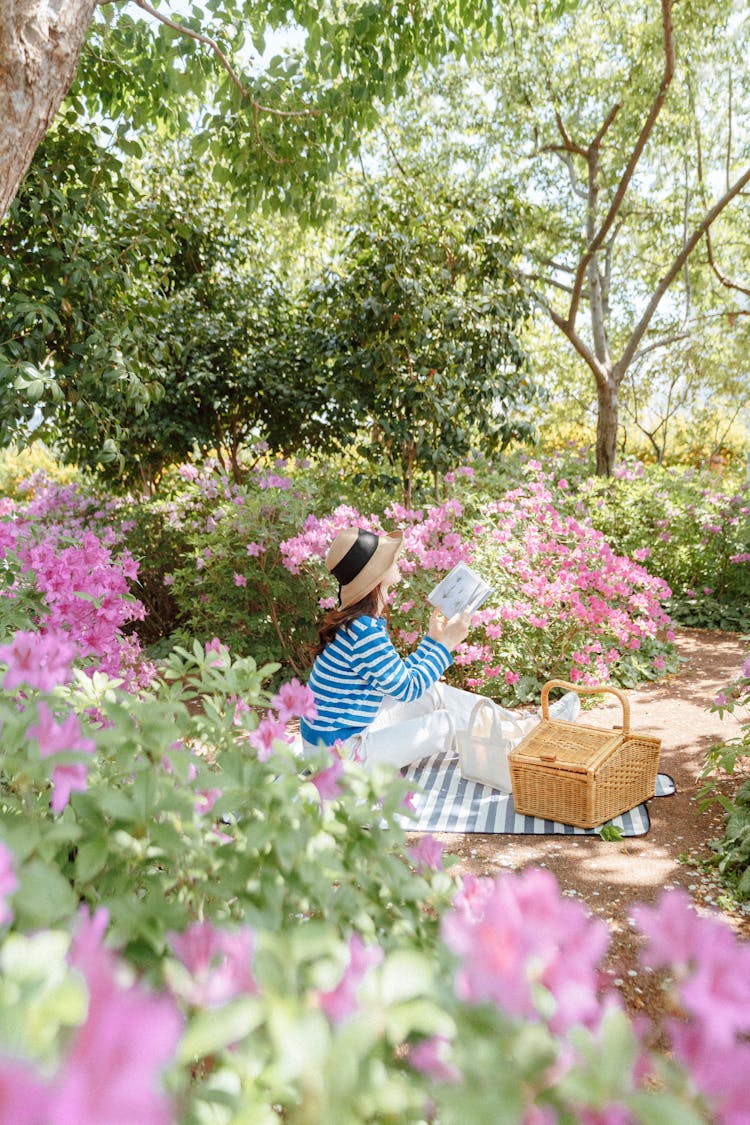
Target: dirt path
(611,876)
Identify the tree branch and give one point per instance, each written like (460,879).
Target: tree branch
(572,336)
(722,278)
(674,269)
(569,144)
(645,133)
(725,281)
(576,188)
(549,281)
(214,46)
(660,344)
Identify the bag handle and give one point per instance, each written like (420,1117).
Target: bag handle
(497,730)
(591,689)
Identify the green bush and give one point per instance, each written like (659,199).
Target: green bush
(733,850)
(686,527)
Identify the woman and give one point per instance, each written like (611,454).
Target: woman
(383,708)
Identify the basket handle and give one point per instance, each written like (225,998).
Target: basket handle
(592,689)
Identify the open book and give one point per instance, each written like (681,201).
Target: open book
(461,590)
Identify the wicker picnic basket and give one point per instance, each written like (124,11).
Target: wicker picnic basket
(578,774)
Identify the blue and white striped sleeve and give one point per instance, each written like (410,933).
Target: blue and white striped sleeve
(375,659)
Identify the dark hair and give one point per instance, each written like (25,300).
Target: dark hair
(335,619)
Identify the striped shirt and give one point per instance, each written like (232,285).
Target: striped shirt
(360,666)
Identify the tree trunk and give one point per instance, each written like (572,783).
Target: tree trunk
(40,44)
(606,427)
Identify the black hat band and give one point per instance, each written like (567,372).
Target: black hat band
(356,558)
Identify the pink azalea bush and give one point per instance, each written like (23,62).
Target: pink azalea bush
(565,604)
(688,528)
(517,974)
(70,554)
(110,1066)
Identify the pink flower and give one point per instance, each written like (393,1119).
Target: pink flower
(294,701)
(746,668)
(8,883)
(254,549)
(327,780)
(472,898)
(675,933)
(219,963)
(206,800)
(267,732)
(430,1057)
(341,1002)
(23,1098)
(220,660)
(169,579)
(57,738)
(722,1075)
(239,579)
(37,660)
(112,1071)
(512,677)
(427,854)
(517,933)
(711,967)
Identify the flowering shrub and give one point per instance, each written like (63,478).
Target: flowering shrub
(733,851)
(302,1023)
(228,580)
(66,573)
(245,564)
(564,605)
(686,530)
(282,953)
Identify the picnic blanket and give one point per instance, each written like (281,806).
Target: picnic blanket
(446,802)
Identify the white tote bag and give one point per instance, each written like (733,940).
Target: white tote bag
(483,748)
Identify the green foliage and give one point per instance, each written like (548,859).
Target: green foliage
(304,108)
(417,331)
(137,840)
(143,321)
(78,311)
(218,587)
(688,530)
(733,850)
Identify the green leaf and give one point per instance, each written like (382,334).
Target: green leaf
(209,1032)
(662,1108)
(90,859)
(611,832)
(43,897)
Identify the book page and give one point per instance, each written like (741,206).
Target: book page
(460,591)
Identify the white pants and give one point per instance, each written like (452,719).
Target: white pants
(402,733)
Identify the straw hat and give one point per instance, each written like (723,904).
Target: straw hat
(359,560)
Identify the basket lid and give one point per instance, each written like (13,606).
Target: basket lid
(577,747)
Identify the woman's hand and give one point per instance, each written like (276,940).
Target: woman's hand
(448,632)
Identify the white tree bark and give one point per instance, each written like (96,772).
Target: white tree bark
(40,44)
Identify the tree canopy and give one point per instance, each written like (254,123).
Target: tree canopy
(274,95)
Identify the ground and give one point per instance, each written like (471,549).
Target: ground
(610,877)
